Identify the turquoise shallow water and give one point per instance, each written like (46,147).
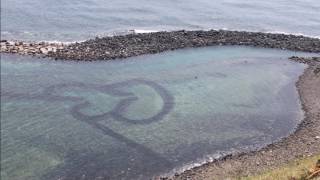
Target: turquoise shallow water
(82,19)
(144,116)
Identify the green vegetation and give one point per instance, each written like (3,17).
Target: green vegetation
(300,169)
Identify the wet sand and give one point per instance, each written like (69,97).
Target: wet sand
(304,142)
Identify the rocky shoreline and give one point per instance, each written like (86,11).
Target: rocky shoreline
(304,142)
(117,47)
(311,61)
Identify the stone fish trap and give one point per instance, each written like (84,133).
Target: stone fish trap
(116,113)
(113,90)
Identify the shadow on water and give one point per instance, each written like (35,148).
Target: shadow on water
(91,165)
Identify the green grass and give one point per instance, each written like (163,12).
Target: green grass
(296,170)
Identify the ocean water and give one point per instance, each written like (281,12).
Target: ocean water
(62,20)
(144,116)
(150,115)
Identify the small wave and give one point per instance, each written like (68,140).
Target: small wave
(197,163)
(7,35)
(62,42)
(213,157)
(141,31)
(296,34)
(202,161)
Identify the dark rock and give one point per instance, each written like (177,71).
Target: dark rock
(306,60)
(317,70)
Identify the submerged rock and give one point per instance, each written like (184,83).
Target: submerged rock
(43,50)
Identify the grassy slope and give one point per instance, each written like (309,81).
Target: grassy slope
(299,169)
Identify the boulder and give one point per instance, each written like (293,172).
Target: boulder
(43,51)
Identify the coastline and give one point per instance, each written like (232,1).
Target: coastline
(304,142)
(135,44)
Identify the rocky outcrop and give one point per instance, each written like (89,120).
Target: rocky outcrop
(312,61)
(306,60)
(30,48)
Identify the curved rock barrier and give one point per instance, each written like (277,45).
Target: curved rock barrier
(116,47)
